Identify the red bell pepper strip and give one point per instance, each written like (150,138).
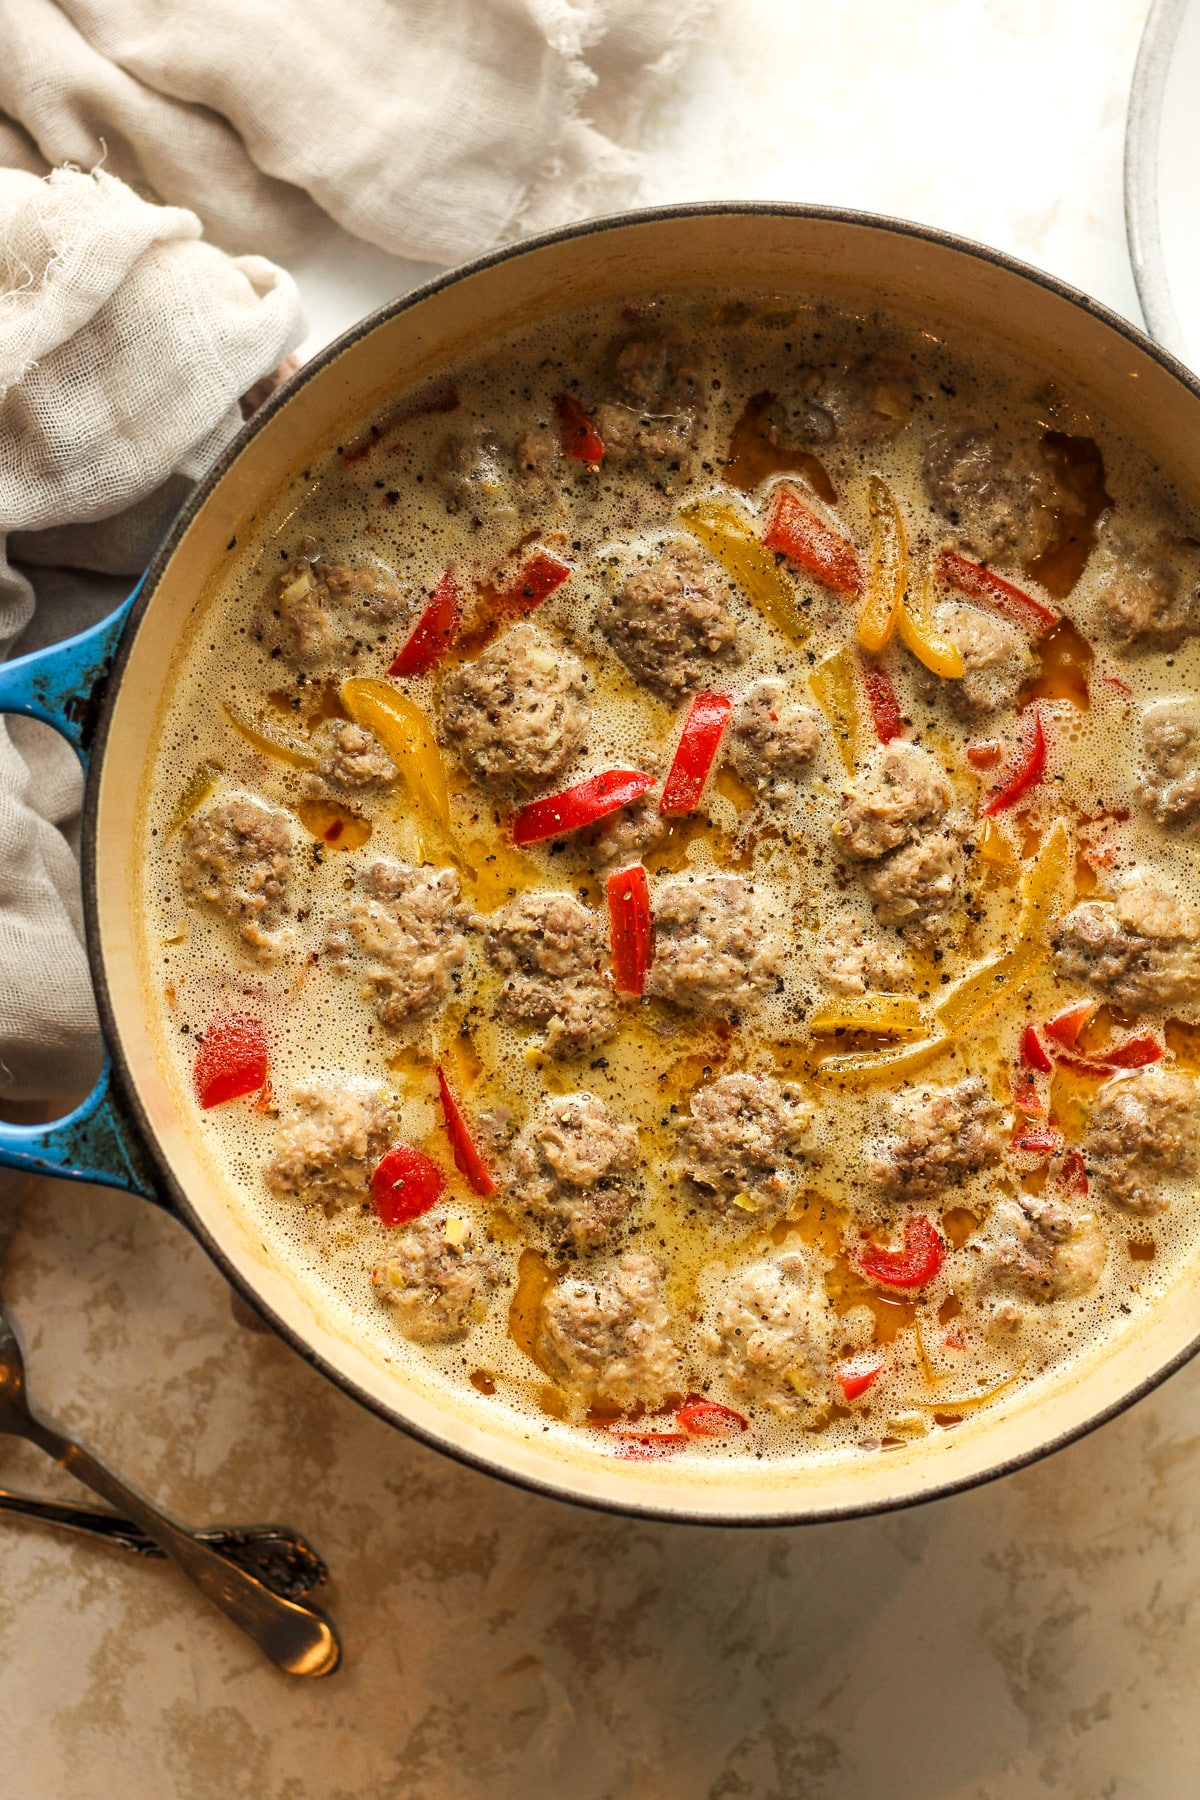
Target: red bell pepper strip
(881,698)
(1035,1052)
(984,756)
(980,583)
(695,753)
(707,1418)
(1028,769)
(232,1059)
(1132,1053)
(577,434)
(1038,1140)
(857,1373)
(1073,1174)
(631,928)
(577,806)
(433,632)
(1025,1096)
(405,1184)
(795,531)
(1066,1026)
(536,580)
(1079,1065)
(467,1159)
(913,1266)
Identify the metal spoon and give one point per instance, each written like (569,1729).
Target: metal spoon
(296,1637)
(282,1560)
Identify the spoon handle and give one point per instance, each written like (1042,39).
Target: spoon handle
(296,1637)
(282,1559)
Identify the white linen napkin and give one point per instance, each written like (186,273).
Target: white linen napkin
(433,128)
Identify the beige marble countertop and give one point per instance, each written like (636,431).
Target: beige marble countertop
(1041,1635)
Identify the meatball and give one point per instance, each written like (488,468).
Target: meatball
(607,1338)
(518,714)
(408,930)
(1143,1127)
(473,473)
(573,1168)
(671,622)
(1170,783)
(743,1146)
(1035,1248)
(535,459)
(915,888)
(901,795)
(320,613)
(550,947)
(655,372)
(436,1280)
(624,837)
(1142,602)
(772,741)
(854,402)
(328,1142)
(1141,950)
(714,949)
(661,444)
(941,1136)
(773,1337)
(996,658)
(1001,494)
(353,761)
(237,856)
(854,962)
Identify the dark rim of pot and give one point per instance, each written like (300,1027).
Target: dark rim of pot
(635,1507)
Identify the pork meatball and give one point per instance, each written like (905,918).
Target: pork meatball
(352,762)
(550,948)
(916,888)
(625,836)
(474,474)
(328,1141)
(518,714)
(671,623)
(996,658)
(319,614)
(237,857)
(1140,950)
(1000,493)
(773,1337)
(854,961)
(436,1280)
(407,930)
(654,371)
(862,401)
(940,1136)
(714,947)
(1144,1128)
(743,1147)
(573,1169)
(903,794)
(771,741)
(607,1338)
(1170,780)
(1143,604)
(1037,1249)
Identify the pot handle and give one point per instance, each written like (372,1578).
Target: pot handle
(98,1141)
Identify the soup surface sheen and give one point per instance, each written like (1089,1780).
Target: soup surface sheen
(927,631)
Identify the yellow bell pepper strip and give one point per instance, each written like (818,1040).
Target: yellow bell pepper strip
(895,1015)
(271,746)
(867,1068)
(889,569)
(201,785)
(977,993)
(729,535)
(918,633)
(800,534)
(404,732)
(836,693)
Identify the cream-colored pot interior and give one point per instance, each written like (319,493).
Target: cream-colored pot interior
(787,251)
